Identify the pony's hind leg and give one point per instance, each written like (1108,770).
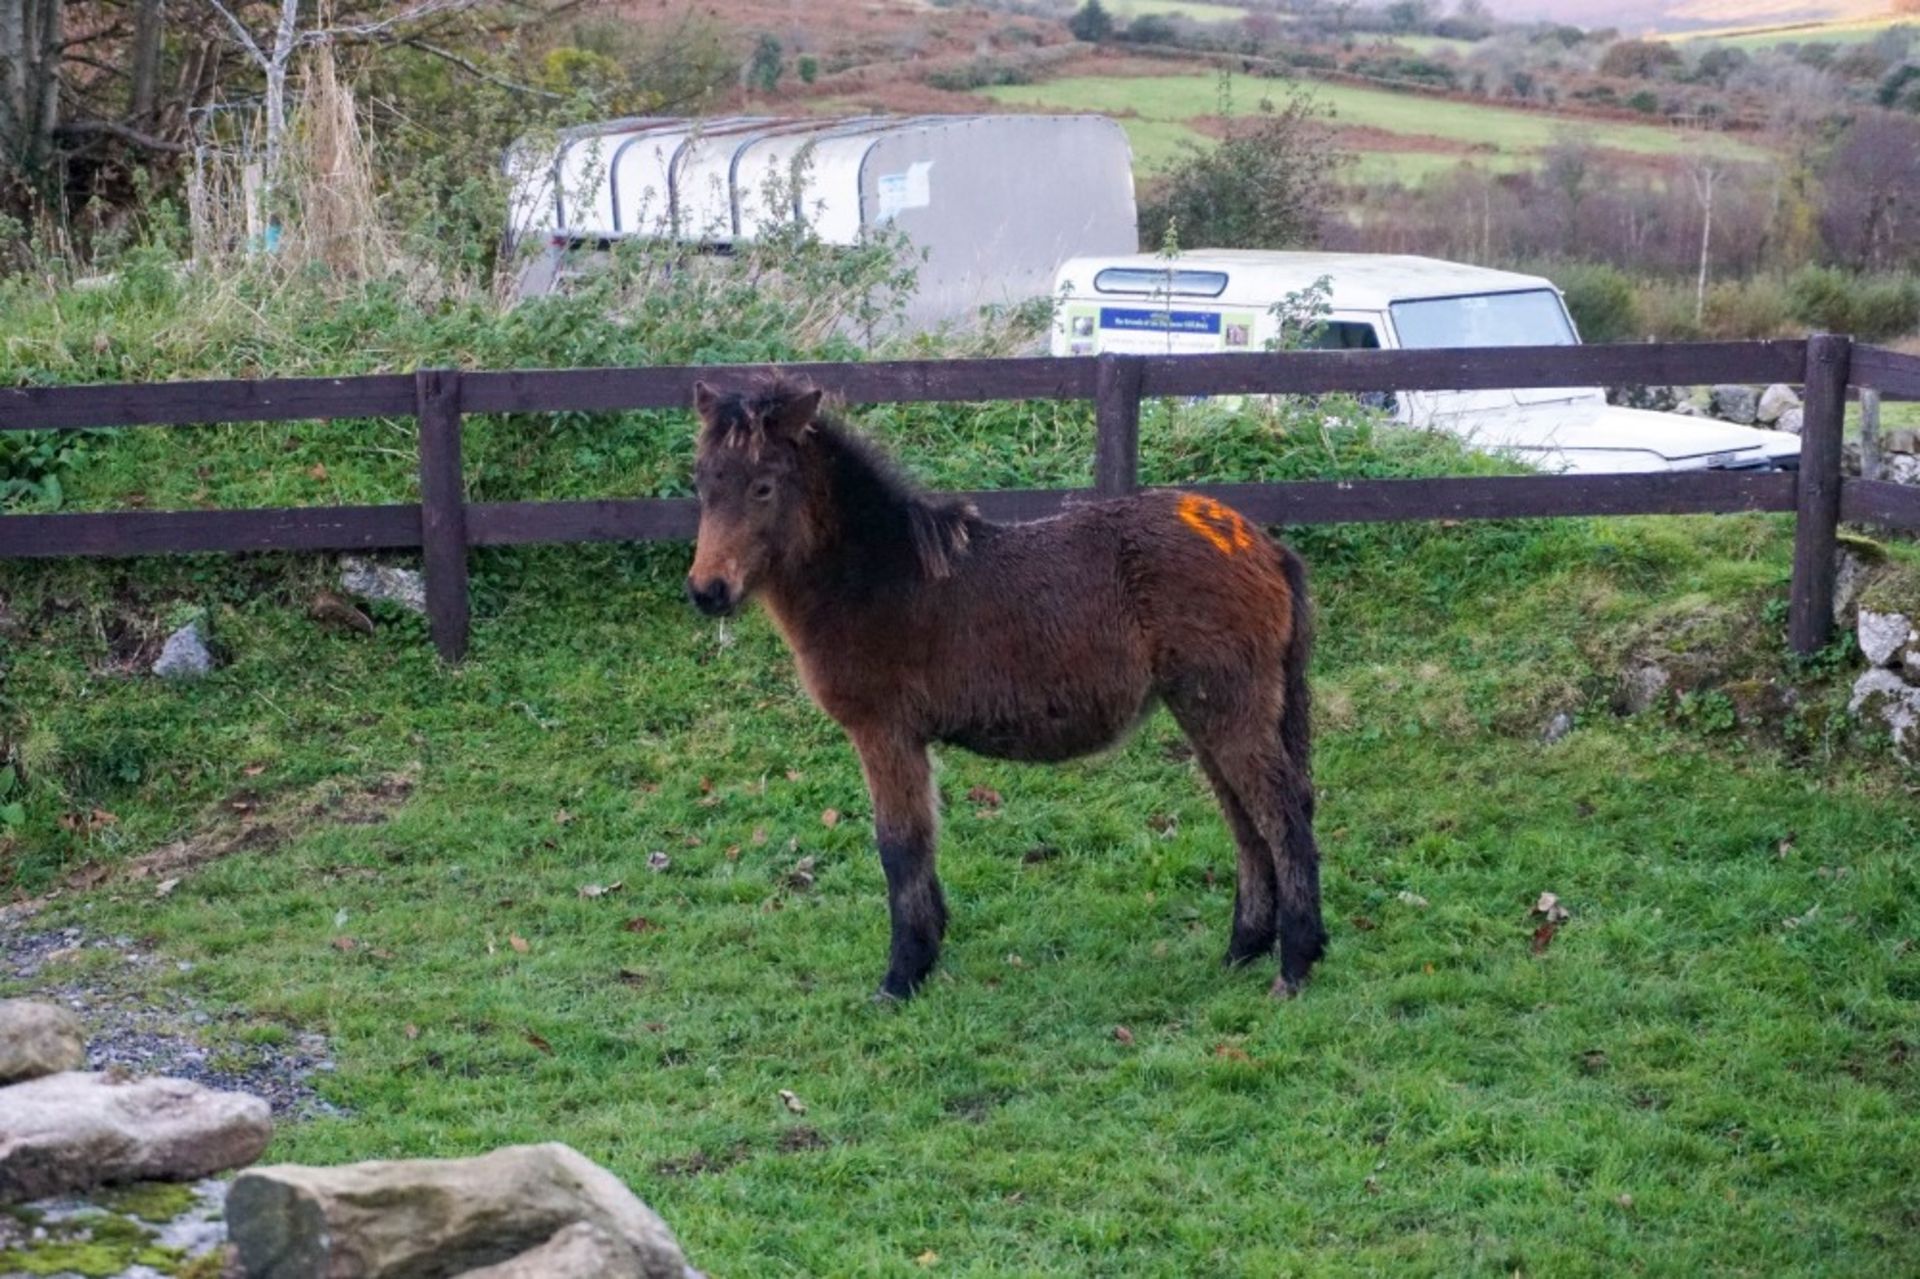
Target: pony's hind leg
(1255,922)
(1243,753)
(900,780)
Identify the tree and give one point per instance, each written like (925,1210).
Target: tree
(763,69)
(1151,28)
(1409,15)
(1266,186)
(1640,60)
(1704,172)
(1092,24)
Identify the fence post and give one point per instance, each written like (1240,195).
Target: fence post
(1871,463)
(1116,417)
(1817,524)
(443,512)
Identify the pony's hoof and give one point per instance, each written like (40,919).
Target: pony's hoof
(884,998)
(1284,988)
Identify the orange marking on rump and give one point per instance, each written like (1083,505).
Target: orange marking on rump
(1218,524)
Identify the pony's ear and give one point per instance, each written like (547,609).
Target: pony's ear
(794,414)
(705,400)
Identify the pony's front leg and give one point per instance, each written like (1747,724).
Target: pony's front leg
(900,779)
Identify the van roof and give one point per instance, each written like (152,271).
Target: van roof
(1363,281)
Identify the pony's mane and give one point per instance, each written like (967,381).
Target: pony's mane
(879,504)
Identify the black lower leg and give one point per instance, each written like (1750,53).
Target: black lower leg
(919,913)
(1303,936)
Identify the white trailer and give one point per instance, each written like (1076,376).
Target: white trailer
(995,202)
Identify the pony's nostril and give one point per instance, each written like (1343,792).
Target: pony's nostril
(714,597)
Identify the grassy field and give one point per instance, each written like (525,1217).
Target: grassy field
(609,881)
(1198,10)
(1158,107)
(1850,31)
(1709,1070)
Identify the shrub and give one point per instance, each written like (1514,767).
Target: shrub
(1092,24)
(1839,301)
(1602,300)
(1756,308)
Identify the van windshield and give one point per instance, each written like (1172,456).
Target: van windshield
(1533,317)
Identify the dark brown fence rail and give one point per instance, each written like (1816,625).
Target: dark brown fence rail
(444,525)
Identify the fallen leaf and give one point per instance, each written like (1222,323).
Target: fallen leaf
(1593,1061)
(1362,924)
(927,1258)
(165,887)
(801,876)
(253,770)
(563,818)
(343,944)
(1015,961)
(591,891)
(410,1030)
(984,795)
(792,1102)
(1625,1201)
(706,786)
(1229,1052)
(1543,937)
(658,861)
(518,942)
(318,470)
(759,836)
(329,607)
(1413,899)
(830,818)
(733,852)
(1549,905)
(1165,825)
(1122,1034)
(640,924)
(1372,1185)
(794,774)
(540,1043)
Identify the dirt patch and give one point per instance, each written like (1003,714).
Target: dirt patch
(244,822)
(108,983)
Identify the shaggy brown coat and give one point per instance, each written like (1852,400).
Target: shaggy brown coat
(914,621)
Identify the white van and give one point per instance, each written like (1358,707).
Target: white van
(1221,300)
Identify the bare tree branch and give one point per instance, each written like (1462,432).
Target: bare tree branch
(87,128)
(481,73)
(240,30)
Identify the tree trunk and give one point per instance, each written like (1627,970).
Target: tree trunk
(1704,186)
(147,27)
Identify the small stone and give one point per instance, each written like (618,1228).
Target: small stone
(1775,401)
(384,583)
(1557,727)
(1644,685)
(1904,440)
(1739,404)
(1687,408)
(1883,635)
(184,655)
(70,1132)
(1895,702)
(38,1039)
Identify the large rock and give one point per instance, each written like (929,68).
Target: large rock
(184,655)
(1793,421)
(1774,402)
(433,1218)
(38,1039)
(1735,404)
(384,583)
(70,1132)
(1643,686)
(581,1251)
(1883,635)
(1895,702)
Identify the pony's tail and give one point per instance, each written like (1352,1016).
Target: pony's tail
(1303,938)
(1296,718)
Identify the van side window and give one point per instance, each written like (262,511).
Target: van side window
(1149,282)
(1345,335)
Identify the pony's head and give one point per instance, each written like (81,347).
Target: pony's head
(753,488)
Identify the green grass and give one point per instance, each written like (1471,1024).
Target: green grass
(1501,136)
(1198,10)
(1847,31)
(1711,1070)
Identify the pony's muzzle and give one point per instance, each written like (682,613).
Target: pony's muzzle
(715,597)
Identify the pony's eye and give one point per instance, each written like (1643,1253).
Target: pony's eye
(762,490)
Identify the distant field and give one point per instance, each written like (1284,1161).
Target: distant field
(1432,44)
(1162,106)
(1848,31)
(1198,10)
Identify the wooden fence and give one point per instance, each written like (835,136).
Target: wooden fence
(443,525)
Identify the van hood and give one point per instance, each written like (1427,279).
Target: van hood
(1595,437)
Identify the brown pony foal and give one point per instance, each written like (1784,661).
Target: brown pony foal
(915,621)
